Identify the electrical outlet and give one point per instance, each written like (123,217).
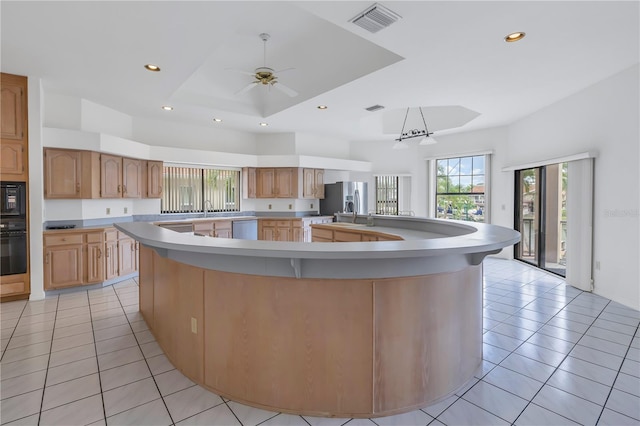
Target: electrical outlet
(290,206)
(311,206)
(269,206)
(126,209)
(108,210)
(194,325)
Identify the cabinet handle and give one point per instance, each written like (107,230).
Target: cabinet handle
(107,253)
(78,187)
(119,188)
(133,247)
(99,253)
(124,189)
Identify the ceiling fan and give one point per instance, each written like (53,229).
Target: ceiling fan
(265,75)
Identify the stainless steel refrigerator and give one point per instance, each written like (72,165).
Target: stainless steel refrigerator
(344,197)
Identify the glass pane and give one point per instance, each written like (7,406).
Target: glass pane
(554,259)
(441,167)
(465,183)
(454,166)
(478,183)
(528,204)
(466,165)
(443,184)
(454,184)
(461,207)
(478,165)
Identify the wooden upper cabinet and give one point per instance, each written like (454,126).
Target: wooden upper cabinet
(110,176)
(286,183)
(62,171)
(250,177)
(319,178)
(131,178)
(154,179)
(313,183)
(12,110)
(12,160)
(13,128)
(265,183)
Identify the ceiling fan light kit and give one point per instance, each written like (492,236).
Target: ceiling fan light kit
(267,76)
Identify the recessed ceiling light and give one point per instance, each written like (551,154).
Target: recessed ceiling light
(264,124)
(217,120)
(167,107)
(322,107)
(514,37)
(152,67)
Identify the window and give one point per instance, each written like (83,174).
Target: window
(190,189)
(460,191)
(387,195)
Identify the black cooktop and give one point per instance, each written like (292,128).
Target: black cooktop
(61,227)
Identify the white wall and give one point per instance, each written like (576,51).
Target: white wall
(604,118)
(36,187)
(208,138)
(101,119)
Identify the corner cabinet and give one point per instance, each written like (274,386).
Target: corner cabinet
(152,178)
(313,183)
(72,259)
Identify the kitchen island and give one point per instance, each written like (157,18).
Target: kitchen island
(346,329)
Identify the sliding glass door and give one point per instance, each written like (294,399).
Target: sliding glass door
(541,216)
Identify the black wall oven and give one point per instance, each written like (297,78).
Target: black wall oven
(13,228)
(13,246)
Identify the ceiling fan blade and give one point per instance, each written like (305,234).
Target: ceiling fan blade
(240,71)
(284,70)
(284,89)
(247,88)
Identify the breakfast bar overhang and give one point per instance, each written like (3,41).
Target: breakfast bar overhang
(348,329)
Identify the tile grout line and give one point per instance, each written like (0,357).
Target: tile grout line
(556,368)
(144,357)
(95,347)
(604,406)
(46,374)
(530,401)
(14,330)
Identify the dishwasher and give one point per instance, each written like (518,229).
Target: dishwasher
(245,229)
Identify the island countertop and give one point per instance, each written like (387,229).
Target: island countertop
(457,245)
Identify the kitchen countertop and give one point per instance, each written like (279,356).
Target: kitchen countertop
(463,244)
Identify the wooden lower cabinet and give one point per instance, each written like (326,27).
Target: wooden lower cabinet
(82,257)
(13,287)
(63,266)
(280,230)
(214,228)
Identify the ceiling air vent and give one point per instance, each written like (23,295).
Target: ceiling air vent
(375,18)
(374,108)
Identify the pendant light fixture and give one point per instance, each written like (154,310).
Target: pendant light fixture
(424,135)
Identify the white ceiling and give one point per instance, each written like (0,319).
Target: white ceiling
(440,54)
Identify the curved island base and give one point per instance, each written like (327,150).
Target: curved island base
(319,347)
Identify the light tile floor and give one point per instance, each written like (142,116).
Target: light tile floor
(552,355)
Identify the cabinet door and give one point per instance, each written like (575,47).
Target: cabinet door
(251,182)
(265,183)
(154,179)
(12,110)
(283,233)
(62,266)
(110,176)
(308,183)
(223,229)
(12,160)
(111,259)
(62,173)
(319,185)
(297,235)
(131,178)
(126,256)
(95,263)
(286,183)
(268,233)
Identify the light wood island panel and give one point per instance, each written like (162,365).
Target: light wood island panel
(321,347)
